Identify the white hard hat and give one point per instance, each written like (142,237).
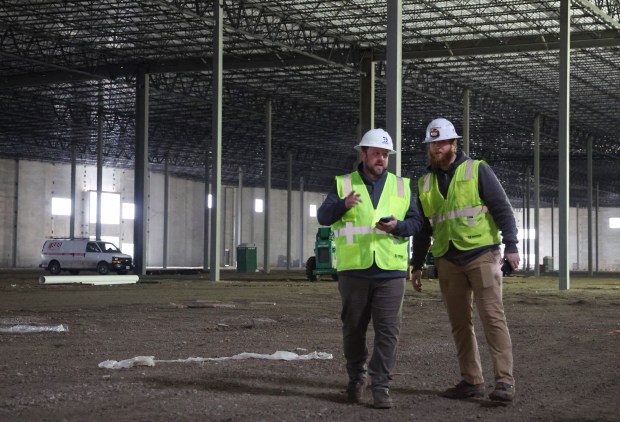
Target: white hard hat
(377,138)
(440,130)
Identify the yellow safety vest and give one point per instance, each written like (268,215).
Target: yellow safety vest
(461,217)
(358,242)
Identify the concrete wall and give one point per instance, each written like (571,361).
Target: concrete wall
(37,183)
(608,239)
(31,185)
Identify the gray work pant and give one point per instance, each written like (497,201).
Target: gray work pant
(364,299)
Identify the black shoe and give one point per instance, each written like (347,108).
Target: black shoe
(355,391)
(464,390)
(503,392)
(381,398)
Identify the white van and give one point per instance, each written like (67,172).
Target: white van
(74,255)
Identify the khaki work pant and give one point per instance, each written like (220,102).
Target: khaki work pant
(479,281)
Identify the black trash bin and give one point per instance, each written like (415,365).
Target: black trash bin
(246,258)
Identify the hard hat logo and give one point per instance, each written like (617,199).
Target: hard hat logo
(377,138)
(440,130)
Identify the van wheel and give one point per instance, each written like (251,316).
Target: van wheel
(54,267)
(103,268)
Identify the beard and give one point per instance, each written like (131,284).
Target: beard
(442,160)
(374,172)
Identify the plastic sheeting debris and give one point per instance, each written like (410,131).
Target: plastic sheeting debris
(150,361)
(22,329)
(104,280)
(128,363)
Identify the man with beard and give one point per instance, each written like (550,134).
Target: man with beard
(372,213)
(467,213)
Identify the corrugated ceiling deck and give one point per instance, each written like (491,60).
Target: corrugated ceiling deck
(64,65)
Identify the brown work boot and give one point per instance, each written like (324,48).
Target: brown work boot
(464,390)
(381,398)
(503,392)
(355,391)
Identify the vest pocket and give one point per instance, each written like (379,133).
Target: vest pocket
(349,256)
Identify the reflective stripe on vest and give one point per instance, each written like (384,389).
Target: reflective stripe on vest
(469,213)
(350,230)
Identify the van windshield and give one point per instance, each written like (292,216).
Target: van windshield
(108,247)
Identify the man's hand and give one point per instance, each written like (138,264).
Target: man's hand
(416,278)
(387,227)
(513,259)
(352,200)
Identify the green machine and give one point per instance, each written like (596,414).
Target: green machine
(324,260)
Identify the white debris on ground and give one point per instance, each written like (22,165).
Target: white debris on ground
(150,361)
(23,329)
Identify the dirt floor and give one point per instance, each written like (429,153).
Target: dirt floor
(566,348)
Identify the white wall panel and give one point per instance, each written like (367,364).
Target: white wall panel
(39,182)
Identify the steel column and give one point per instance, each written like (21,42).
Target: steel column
(73,187)
(564,145)
(589,167)
(216,142)
(394,80)
(466,110)
(289,211)
(266,266)
(537,195)
(141,171)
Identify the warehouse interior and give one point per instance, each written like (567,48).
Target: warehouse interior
(130,85)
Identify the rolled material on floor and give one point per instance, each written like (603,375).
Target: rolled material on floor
(88,279)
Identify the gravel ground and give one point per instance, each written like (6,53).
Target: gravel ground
(565,346)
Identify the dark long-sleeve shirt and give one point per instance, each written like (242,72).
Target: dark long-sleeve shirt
(492,194)
(334,208)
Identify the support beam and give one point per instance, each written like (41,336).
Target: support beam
(239,212)
(527,237)
(471,47)
(141,172)
(15,216)
(302,218)
(73,188)
(589,188)
(600,13)
(99,162)
(216,142)
(466,110)
(394,80)
(166,213)
(289,211)
(564,145)
(267,207)
(596,224)
(537,196)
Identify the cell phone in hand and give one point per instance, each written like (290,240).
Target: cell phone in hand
(386,219)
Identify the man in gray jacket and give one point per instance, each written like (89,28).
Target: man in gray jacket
(467,213)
